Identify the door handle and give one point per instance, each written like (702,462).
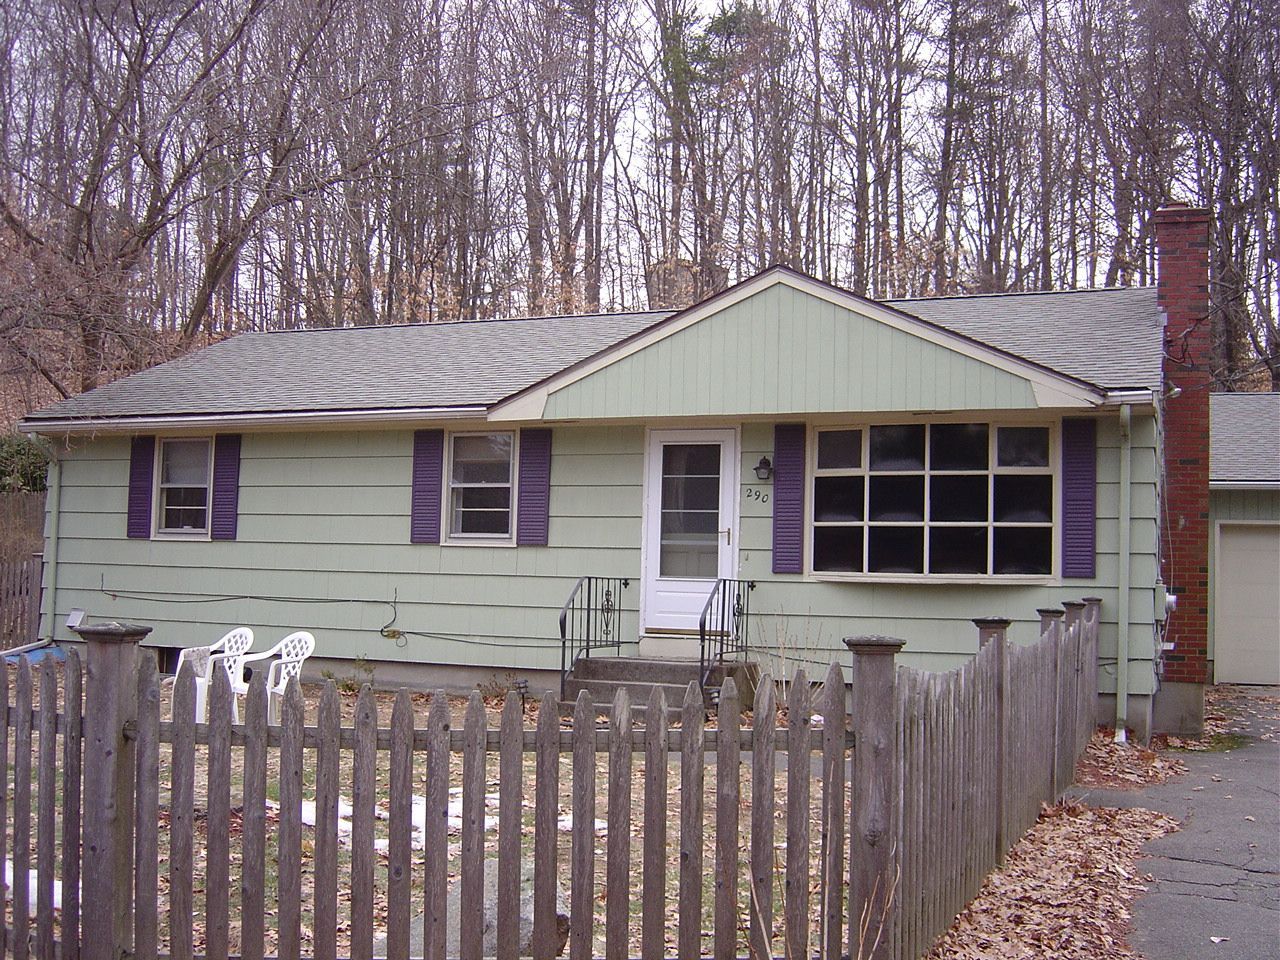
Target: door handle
(728,535)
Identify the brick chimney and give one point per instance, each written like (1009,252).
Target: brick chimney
(1182,251)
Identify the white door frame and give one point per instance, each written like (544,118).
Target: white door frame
(730,513)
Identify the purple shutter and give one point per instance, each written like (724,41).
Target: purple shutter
(142,463)
(1079,497)
(225,501)
(788,497)
(534,490)
(428,471)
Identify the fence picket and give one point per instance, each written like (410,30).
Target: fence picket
(618,844)
(254,823)
(72,774)
(289,849)
(833,754)
(546,809)
(728,798)
(471,915)
(510,826)
(582,853)
(46,806)
(435,829)
(763,764)
(21,898)
(796,884)
(653,891)
(692,767)
(146,882)
(217,898)
(363,798)
(181,813)
(400,829)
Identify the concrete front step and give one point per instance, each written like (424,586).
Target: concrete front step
(603,677)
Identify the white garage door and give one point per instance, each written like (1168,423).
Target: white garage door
(1246,631)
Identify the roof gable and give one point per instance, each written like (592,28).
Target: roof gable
(782,344)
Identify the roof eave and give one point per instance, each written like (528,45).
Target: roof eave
(75,426)
(1244,484)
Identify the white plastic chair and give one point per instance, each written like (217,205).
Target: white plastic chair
(292,652)
(226,651)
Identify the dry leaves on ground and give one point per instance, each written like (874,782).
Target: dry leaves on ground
(1126,766)
(1064,891)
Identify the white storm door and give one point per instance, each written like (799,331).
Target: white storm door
(690,523)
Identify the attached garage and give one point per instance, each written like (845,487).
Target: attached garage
(1244,510)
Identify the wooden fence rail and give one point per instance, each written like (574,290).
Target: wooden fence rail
(831,832)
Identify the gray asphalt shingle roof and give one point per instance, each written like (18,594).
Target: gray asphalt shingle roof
(358,368)
(1110,338)
(1244,437)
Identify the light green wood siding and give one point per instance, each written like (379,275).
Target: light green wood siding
(1234,506)
(323,544)
(782,351)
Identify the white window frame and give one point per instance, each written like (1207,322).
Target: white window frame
(158,488)
(446,500)
(1054,470)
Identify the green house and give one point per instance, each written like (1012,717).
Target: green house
(425,499)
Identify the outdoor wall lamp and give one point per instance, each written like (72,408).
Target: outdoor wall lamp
(764,469)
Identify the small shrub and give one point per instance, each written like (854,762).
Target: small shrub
(23,464)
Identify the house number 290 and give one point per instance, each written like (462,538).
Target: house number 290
(755,493)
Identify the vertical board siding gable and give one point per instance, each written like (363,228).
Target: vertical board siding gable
(788,497)
(428,476)
(225,499)
(142,462)
(1079,497)
(534,488)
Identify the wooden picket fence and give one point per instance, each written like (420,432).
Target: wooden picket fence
(19,600)
(177,839)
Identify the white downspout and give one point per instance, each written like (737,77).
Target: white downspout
(1124,573)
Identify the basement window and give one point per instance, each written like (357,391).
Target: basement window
(944,499)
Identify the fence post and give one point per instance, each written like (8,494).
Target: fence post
(110,722)
(994,630)
(873,876)
(1092,615)
(1049,619)
(1074,632)
(35,598)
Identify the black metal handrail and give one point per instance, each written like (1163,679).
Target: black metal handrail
(590,620)
(724,624)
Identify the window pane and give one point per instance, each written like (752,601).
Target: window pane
(489,522)
(691,459)
(185,496)
(681,522)
(896,550)
(185,462)
(958,446)
(958,498)
(484,459)
(1023,550)
(483,498)
(837,499)
(897,499)
(837,549)
(1024,499)
(1022,446)
(183,518)
(958,550)
(839,449)
(897,448)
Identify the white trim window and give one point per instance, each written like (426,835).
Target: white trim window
(183,484)
(481,474)
(958,500)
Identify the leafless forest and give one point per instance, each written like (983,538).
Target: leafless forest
(177,170)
